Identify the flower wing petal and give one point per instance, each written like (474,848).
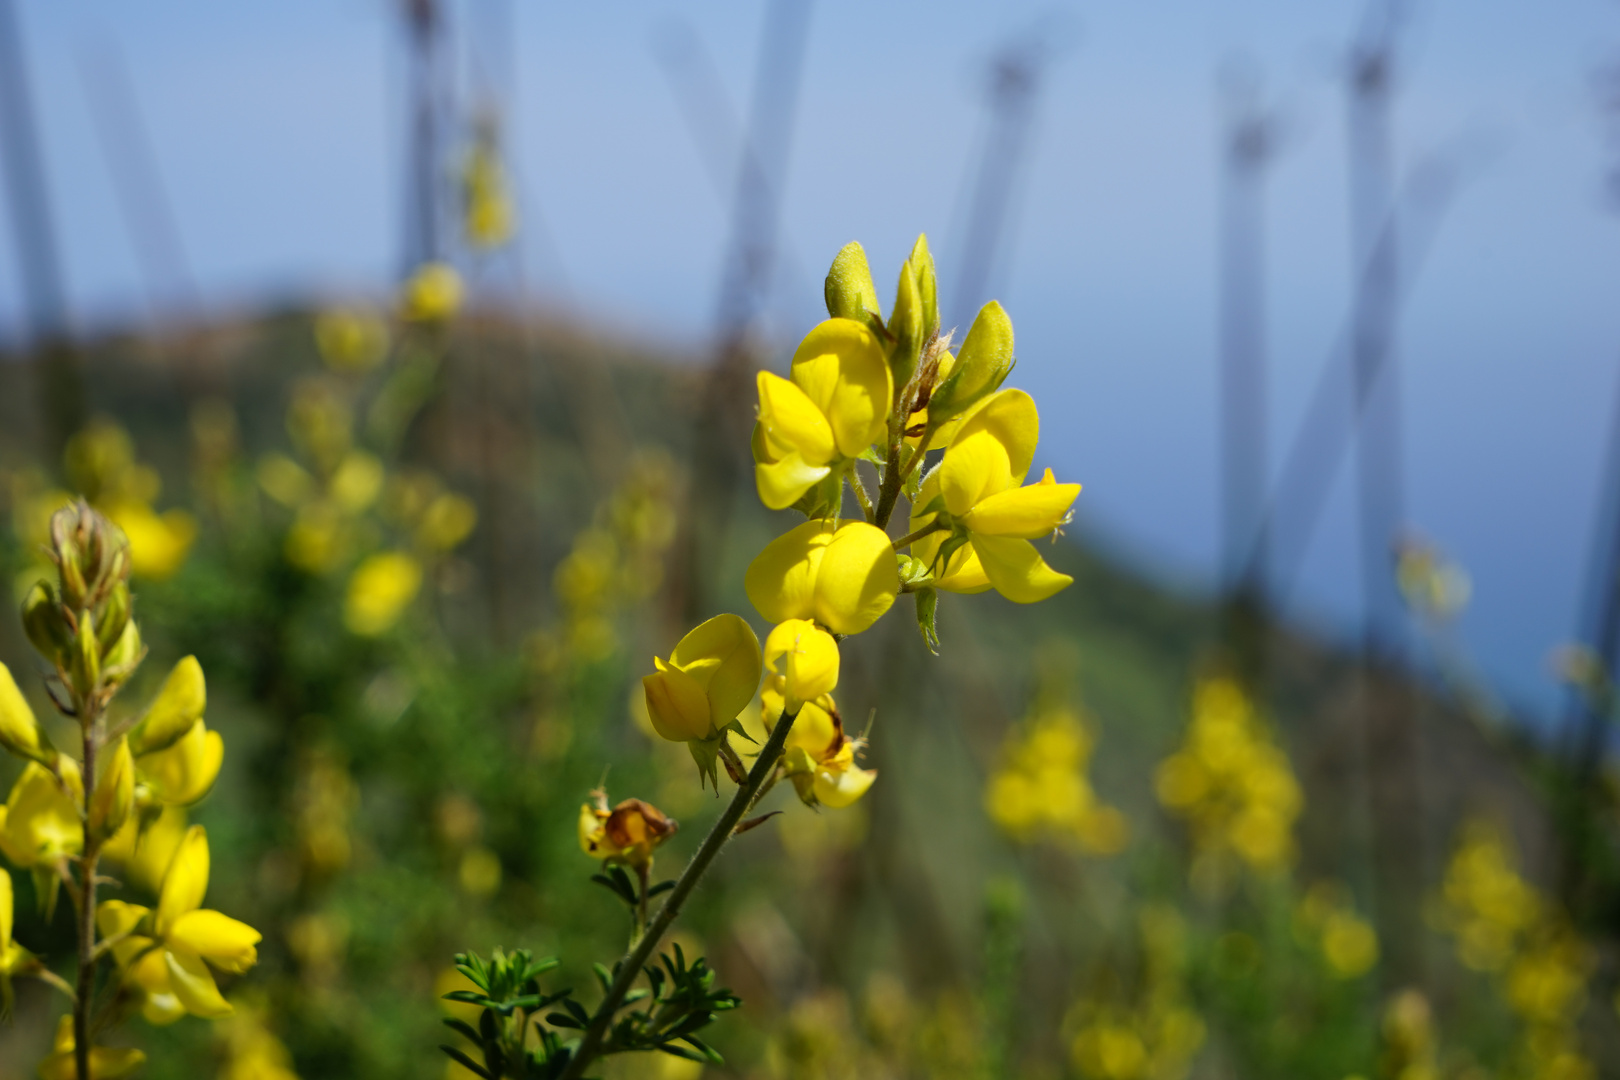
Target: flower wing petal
(1010,417)
(841,367)
(225,942)
(781,580)
(1017,570)
(1027,512)
(194,984)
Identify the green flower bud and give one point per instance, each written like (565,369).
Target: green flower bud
(179,704)
(114,796)
(120,661)
(90,552)
(849,289)
(19,730)
(45,625)
(114,616)
(981,367)
(921,262)
(84,664)
(906,324)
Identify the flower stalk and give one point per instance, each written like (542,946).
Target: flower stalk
(629,968)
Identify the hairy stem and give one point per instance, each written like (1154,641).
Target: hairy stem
(889,494)
(86,909)
(590,1046)
(913,537)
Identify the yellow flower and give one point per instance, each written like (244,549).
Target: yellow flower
(351,340)
(810,660)
(106,1062)
(380,590)
(19,730)
(490,217)
(180,703)
(14,959)
(144,853)
(843,577)
(629,833)
(709,678)
(432,294)
(164,954)
(183,772)
(817,756)
(40,822)
(158,543)
(833,406)
(446,522)
(976,494)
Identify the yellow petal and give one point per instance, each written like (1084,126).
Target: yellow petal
(811,657)
(781,580)
(41,823)
(380,589)
(6,913)
(791,421)
(1026,512)
(161,1009)
(194,984)
(106,1062)
(837,788)
(19,730)
(975,467)
(1016,569)
(1010,417)
(841,367)
(677,705)
(814,732)
(723,655)
(963,573)
(179,704)
(857,579)
(593,839)
(186,882)
(783,482)
(186,771)
(225,942)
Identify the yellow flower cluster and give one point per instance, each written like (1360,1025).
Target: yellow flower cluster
(1041,786)
(888,392)
(615,563)
(489,218)
(252,1051)
(1326,921)
(1505,926)
(1231,783)
(1157,1034)
(343,499)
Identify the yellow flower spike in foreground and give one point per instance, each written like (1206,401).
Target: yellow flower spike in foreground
(818,757)
(432,294)
(833,406)
(164,954)
(976,493)
(629,833)
(380,590)
(709,678)
(809,658)
(843,577)
(106,1062)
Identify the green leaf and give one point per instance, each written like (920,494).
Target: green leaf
(927,612)
(562,1020)
(466,1062)
(462,1028)
(660,888)
(603,976)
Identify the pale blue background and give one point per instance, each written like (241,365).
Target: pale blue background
(276,131)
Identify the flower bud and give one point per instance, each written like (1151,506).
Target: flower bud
(179,704)
(19,730)
(84,663)
(809,658)
(120,661)
(114,616)
(906,324)
(115,793)
(922,269)
(91,553)
(45,625)
(849,290)
(981,366)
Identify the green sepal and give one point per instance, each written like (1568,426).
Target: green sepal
(927,613)
(47,887)
(913,571)
(736,726)
(942,557)
(982,365)
(706,752)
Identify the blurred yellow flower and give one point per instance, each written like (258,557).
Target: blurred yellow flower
(380,589)
(1041,786)
(351,340)
(106,1062)
(432,293)
(40,823)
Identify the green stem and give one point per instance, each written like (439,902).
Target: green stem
(629,970)
(911,538)
(889,494)
(86,907)
(861,496)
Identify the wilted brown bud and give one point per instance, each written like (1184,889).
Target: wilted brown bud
(91,554)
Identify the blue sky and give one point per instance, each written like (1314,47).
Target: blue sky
(276,133)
